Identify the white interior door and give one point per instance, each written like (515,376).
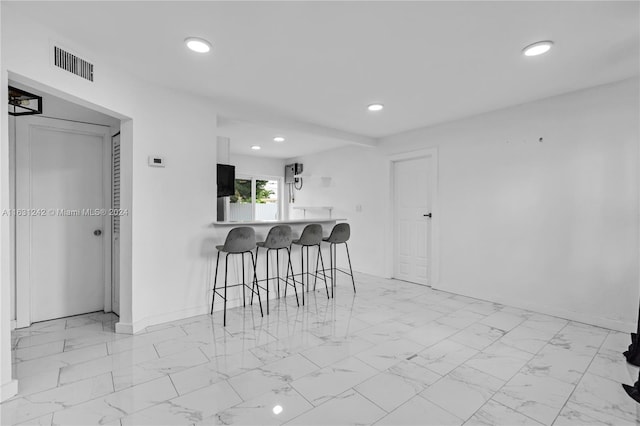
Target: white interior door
(60,241)
(412,205)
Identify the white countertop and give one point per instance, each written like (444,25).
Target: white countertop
(278,222)
(312,208)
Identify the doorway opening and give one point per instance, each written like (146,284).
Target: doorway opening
(61,201)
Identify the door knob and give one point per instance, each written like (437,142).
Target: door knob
(427,215)
(97,232)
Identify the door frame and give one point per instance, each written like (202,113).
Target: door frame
(23,227)
(434,267)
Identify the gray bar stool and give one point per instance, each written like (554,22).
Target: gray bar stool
(339,235)
(311,236)
(240,241)
(278,238)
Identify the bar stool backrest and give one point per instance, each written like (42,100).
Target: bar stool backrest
(311,235)
(340,233)
(279,237)
(240,240)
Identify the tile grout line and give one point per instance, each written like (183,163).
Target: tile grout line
(174,386)
(204,353)
(569,322)
(58,381)
(158,353)
(234,390)
(445,409)
(580,380)
(511,378)
(509,408)
(365,397)
(313,407)
(335,324)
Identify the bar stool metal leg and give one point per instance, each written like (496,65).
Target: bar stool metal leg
(252,293)
(215,282)
(324,277)
(315,278)
(335,263)
(226,270)
(320,259)
(350,269)
(267,260)
(256,288)
(244,299)
(278,272)
(255,281)
(308,279)
(293,277)
(332,263)
(302,272)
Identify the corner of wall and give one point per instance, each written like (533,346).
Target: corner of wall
(140,325)
(610,323)
(124,328)
(8,390)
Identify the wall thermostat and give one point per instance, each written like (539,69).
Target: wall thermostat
(155,161)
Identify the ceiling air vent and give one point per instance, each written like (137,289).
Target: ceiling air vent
(70,62)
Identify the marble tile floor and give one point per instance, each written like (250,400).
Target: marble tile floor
(395,353)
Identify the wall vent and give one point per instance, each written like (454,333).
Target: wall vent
(70,62)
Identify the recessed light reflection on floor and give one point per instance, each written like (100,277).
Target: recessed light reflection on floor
(277,409)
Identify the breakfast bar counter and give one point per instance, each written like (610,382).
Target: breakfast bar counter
(220,230)
(262,227)
(278,222)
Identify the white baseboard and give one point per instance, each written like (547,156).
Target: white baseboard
(13,325)
(140,325)
(610,323)
(8,390)
(124,328)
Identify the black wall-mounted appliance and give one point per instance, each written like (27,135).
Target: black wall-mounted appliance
(290,172)
(226,180)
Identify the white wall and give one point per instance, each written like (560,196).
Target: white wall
(256,165)
(8,387)
(358,176)
(172,207)
(549,226)
(163,266)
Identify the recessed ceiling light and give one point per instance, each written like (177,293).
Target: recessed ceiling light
(278,139)
(256,147)
(199,45)
(277,409)
(538,48)
(375,107)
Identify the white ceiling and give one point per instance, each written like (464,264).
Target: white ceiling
(243,135)
(321,63)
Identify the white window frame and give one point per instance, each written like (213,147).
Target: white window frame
(253,179)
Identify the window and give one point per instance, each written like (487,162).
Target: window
(256,198)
